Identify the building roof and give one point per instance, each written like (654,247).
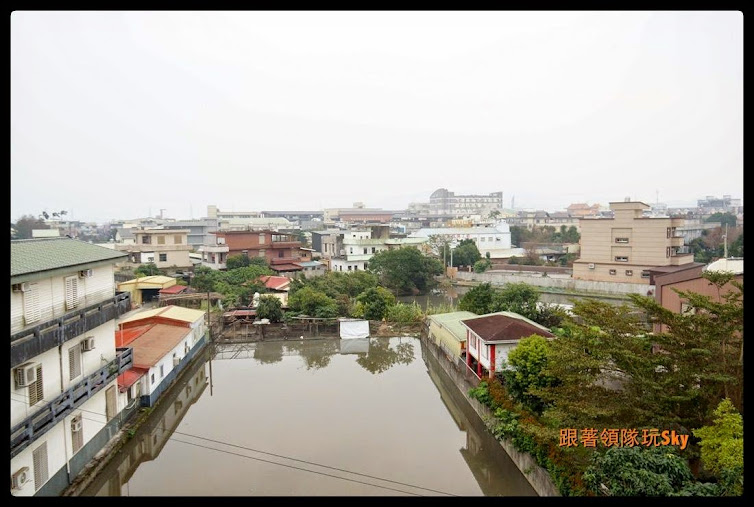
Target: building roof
(125,336)
(275,282)
(155,343)
(175,289)
(129,378)
(309,264)
(45,254)
(150,282)
(45,233)
(285,267)
(168,312)
(505,326)
(429,231)
(452,322)
(734,265)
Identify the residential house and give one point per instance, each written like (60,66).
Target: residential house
(491,337)
(625,248)
(447,331)
(493,240)
(164,247)
(164,341)
(282,251)
(63,360)
(199,231)
(146,288)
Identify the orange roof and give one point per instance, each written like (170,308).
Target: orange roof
(129,378)
(175,289)
(275,282)
(155,343)
(125,336)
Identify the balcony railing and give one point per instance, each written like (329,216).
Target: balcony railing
(41,421)
(33,341)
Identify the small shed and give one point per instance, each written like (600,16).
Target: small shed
(147,288)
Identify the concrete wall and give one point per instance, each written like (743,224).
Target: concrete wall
(560,283)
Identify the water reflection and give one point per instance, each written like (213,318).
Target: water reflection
(381,357)
(151,437)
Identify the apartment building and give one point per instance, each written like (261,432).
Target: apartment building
(166,248)
(444,202)
(626,247)
(282,251)
(495,241)
(351,250)
(65,405)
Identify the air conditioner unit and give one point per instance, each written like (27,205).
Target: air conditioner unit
(20,478)
(591,265)
(87,344)
(176,361)
(76,424)
(20,287)
(85,273)
(26,374)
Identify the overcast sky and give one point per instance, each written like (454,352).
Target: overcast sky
(119,114)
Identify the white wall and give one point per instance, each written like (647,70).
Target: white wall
(51,293)
(148,387)
(342,265)
(55,439)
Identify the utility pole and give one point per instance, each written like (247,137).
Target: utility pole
(725,242)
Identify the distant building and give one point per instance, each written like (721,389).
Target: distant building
(282,251)
(625,248)
(356,214)
(582,209)
(444,202)
(725,204)
(146,288)
(491,337)
(64,364)
(495,240)
(164,247)
(45,233)
(199,231)
(350,250)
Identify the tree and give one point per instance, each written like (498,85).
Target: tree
(466,253)
(638,471)
(375,303)
(271,308)
(478,299)
(405,270)
(237,261)
(26,223)
(519,298)
(313,303)
(723,218)
(482,265)
(722,445)
(148,269)
(527,361)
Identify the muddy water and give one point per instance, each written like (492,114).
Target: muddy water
(312,418)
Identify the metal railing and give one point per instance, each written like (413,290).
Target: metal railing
(33,341)
(44,419)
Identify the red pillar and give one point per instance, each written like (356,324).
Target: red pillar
(468,357)
(479,369)
(492,360)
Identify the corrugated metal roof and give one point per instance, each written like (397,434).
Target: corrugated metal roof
(452,322)
(168,312)
(150,280)
(151,347)
(285,267)
(175,289)
(125,336)
(35,255)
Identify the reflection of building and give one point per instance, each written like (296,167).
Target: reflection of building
(64,362)
(626,247)
(153,434)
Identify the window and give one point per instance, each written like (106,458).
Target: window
(350,250)
(365,251)
(621,240)
(356,267)
(498,238)
(74,361)
(280,254)
(39,457)
(186,348)
(669,232)
(32,313)
(36,389)
(613,271)
(164,257)
(667,251)
(71,292)
(261,239)
(483,239)
(177,239)
(160,240)
(365,266)
(77,433)
(162,370)
(349,268)
(152,379)
(372,249)
(645,274)
(629,272)
(146,240)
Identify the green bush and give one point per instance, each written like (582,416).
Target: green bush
(405,313)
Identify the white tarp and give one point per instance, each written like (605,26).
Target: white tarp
(350,329)
(354,346)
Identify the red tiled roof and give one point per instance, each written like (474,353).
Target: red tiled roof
(151,346)
(175,289)
(502,327)
(275,282)
(125,336)
(129,378)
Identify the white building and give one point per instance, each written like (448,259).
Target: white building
(64,364)
(493,240)
(359,245)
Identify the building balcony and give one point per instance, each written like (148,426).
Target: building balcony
(681,259)
(40,422)
(140,247)
(364,242)
(677,241)
(285,244)
(33,341)
(214,248)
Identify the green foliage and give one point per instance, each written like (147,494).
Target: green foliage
(237,285)
(544,234)
(313,303)
(736,248)
(638,471)
(482,265)
(723,218)
(440,308)
(374,303)
(382,356)
(527,362)
(722,445)
(520,298)
(466,253)
(335,283)
(478,299)
(148,269)
(237,261)
(405,313)
(271,308)
(405,270)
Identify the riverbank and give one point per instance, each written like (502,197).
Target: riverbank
(560,291)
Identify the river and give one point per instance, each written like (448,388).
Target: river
(368,417)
